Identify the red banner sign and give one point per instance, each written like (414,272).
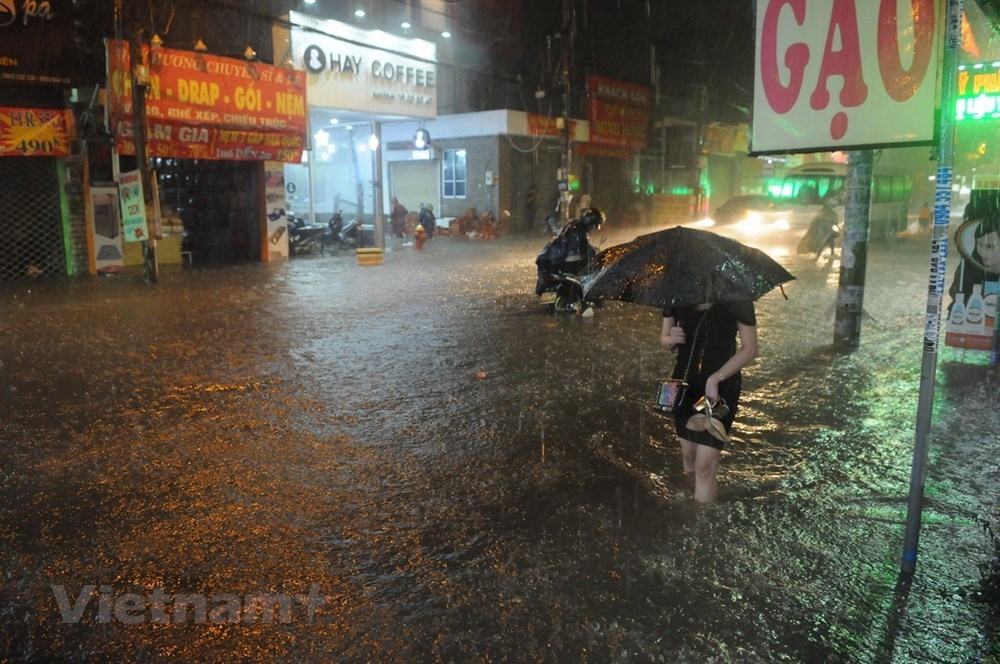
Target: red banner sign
(619,113)
(35,132)
(202,106)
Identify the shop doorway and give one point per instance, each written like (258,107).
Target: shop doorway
(415,182)
(219,204)
(30,218)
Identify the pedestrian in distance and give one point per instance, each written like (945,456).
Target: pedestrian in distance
(705,337)
(397,218)
(427,219)
(531,205)
(824,230)
(924,217)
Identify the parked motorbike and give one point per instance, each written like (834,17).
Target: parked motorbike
(562,260)
(341,234)
(302,236)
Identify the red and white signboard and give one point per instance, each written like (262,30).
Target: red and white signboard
(842,74)
(202,106)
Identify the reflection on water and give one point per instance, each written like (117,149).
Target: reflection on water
(468,479)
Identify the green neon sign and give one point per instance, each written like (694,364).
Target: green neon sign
(978,95)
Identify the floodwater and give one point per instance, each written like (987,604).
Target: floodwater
(416,464)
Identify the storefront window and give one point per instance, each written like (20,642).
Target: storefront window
(454,177)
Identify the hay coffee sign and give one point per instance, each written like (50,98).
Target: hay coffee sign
(364,70)
(841,74)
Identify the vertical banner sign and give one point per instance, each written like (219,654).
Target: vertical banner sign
(975,286)
(618,114)
(823,70)
(133,206)
(277,218)
(104,226)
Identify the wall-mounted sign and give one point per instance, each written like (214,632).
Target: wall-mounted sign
(544,125)
(362,70)
(618,113)
(975,286)
(36,41)
(35,132)
(201,106)
(133,206)
(824,70)
(978,94)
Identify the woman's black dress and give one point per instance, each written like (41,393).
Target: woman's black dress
(707,351)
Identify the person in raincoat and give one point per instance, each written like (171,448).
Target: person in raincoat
(427,219)
(705,337)
(823,232)
(397,217)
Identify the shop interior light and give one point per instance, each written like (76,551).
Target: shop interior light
(156,41)
(200,46)
(321,138)
(446,34)
(249,54)
(406,25)
(360,13)
(421,139)
(373,142)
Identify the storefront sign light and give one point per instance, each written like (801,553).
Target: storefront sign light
(421,139)
(978,91)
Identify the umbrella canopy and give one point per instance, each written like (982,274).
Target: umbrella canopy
(682,266)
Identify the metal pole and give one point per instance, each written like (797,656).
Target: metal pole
(935,291)
(377,188)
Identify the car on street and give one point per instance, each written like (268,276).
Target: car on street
(759,218)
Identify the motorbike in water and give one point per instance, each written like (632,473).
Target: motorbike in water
(560,263)
(340,234)
(302,236)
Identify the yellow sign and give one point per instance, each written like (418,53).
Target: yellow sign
(35,132)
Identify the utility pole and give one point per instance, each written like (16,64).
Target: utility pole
(566,164)
(854,251)
(140,82)
(700,155)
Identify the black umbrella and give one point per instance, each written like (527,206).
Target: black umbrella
(682,266)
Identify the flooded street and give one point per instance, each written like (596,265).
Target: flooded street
(428,467)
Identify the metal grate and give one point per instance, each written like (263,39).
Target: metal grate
(30,218)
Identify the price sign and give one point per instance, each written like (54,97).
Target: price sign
(35,132)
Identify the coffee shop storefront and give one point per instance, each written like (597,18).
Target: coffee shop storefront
(356,81)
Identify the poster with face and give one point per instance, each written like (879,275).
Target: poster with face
(972,313)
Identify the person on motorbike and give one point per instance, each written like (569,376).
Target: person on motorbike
(570,251)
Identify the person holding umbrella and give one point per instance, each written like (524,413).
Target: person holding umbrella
(705,337)
(706,286)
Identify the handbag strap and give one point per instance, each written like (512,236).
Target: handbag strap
(694,340)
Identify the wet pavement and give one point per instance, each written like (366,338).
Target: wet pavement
(413,463)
